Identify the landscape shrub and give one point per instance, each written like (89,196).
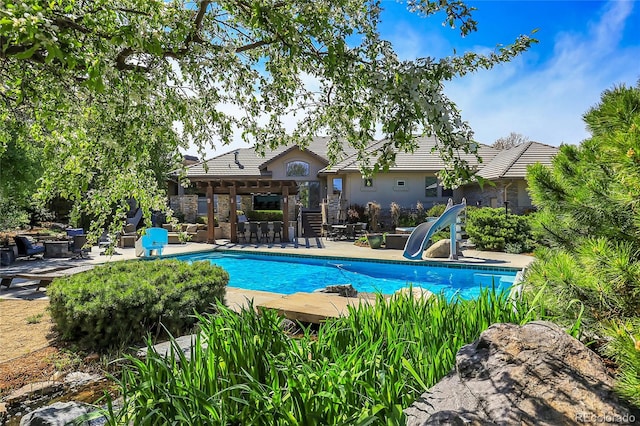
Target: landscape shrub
(411,217)
(491,229)
(179,216)
(117,304)
(265,215)
(624,348)
(395,211)
(356,213)
(360,369)
(12,216)
(407,220)
(436,210)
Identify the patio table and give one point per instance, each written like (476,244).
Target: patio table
(57,249)
(340,230)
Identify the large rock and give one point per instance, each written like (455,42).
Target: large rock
(415,292)
(533,375)
(57,414)
(439,249)
(344,290)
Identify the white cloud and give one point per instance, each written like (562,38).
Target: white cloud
(546,101)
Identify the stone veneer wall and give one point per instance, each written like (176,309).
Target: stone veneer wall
(222,212)
(225,227)
(186,204)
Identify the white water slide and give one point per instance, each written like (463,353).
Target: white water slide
(419,238)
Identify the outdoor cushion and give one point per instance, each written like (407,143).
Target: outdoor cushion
(26,248)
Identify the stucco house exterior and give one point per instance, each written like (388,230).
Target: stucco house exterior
(291,176)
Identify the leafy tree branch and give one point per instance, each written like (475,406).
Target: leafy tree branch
(68,66)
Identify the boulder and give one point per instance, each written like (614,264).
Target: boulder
(344,290)
(439,249)
(57,414)
(416,292)
(534,374)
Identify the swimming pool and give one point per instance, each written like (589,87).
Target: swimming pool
(291,274)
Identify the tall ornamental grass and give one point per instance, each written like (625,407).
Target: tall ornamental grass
(358,370)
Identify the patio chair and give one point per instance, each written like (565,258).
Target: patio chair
(26,248)
(77,239)
(277,230)
(264,231)
(253,230)
(154,239)
(328,232)
(134,220)
(242,231)
(350,231)
(361,229)
(76,246)
(325,230)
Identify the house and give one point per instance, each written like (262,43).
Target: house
(291,176)
(507,171)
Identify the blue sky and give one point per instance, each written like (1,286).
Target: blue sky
(585,47)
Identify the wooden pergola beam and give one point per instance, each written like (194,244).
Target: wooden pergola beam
(211,239)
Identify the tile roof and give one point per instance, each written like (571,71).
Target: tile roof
(422,159)
(513,162)
(251,165)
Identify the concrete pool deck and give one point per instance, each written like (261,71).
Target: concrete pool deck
(315,303)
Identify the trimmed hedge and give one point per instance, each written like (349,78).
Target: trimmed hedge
(118,304)
(491,229)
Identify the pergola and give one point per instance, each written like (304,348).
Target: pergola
(244,186)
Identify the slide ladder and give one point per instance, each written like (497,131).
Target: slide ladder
(419,238)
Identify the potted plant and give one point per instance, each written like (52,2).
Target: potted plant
(375,240)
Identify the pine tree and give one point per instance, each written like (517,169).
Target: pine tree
(590,213)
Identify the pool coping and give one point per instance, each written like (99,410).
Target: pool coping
(422,263)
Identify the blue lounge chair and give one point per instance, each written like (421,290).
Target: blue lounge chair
(154,239)
(26,248)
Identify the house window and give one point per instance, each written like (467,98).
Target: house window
(297,168)
(401,185)
(367,182)
(337,186)
(203,206)
(430,186)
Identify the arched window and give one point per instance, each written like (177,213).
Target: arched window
(297,168)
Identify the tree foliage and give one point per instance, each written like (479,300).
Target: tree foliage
(103,86)
(20,171)
(590,205)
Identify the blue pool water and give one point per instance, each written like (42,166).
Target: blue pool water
(292,274)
